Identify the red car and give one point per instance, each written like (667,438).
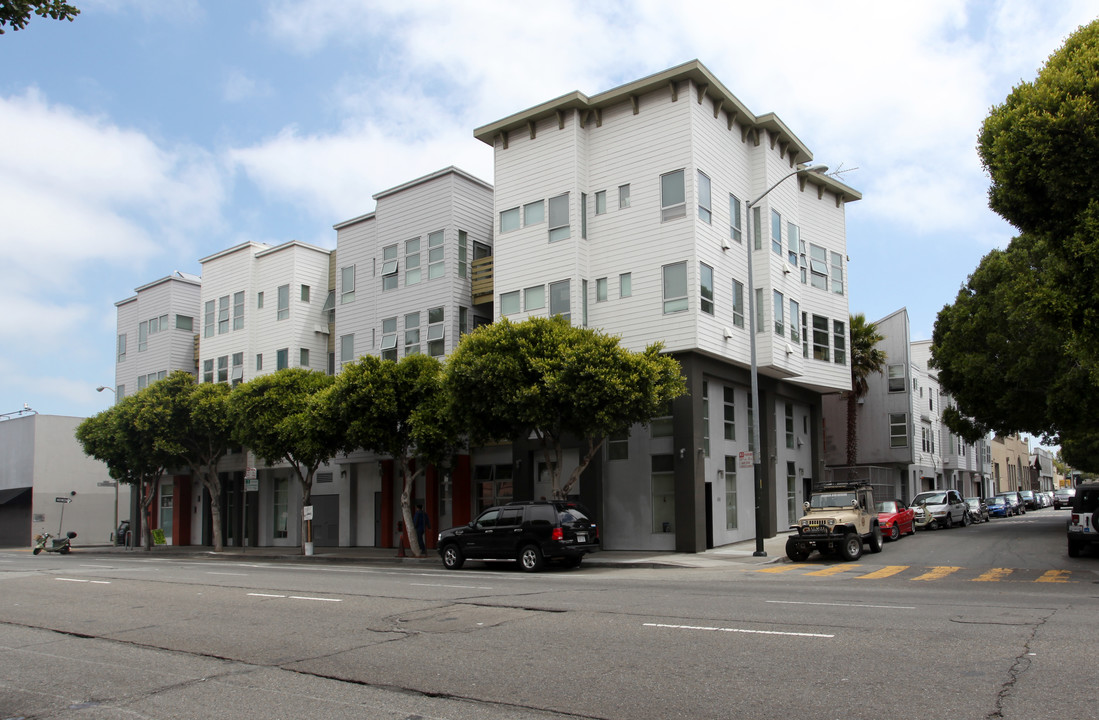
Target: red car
(896,519)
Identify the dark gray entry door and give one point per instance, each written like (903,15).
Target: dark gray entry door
(326,520)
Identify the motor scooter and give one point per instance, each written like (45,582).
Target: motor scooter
(59,545)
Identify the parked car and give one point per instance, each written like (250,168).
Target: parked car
(896,519)
(1029,501)
(978,511)
(941,509)
(527,533)
(1016,500)
(1083,526)
(1062,497)
(998,506)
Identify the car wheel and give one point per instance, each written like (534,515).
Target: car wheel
(452,557)
(64,550)
(876,543)
(37,550)
(851,547)
(965,519)
(796,551)
(530,558)
(895,532)
(1073,548)
(948,521)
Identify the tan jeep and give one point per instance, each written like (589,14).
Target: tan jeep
(838,518)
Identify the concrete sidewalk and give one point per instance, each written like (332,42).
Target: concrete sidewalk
(742,552)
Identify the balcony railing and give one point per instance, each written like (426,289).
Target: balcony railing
(482,280)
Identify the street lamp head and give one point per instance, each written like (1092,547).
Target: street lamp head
(101,388)
(819,169)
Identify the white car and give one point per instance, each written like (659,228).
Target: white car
(940,509)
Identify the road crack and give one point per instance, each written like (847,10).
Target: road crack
(1020,665)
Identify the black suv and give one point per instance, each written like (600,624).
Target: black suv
(1083,526)
(529,533)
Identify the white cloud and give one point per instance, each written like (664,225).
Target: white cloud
(238,86)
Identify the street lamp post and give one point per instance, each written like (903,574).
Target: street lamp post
(756,409)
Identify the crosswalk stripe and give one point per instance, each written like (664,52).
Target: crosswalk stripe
(885,572)
(776,569)
(1055,576)
(993,575)
(937,573)
(833,570)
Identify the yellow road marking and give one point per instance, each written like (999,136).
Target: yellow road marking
(1057,576)
(993,575)
(887,571)
(781,568)
(833,570)
(937,573)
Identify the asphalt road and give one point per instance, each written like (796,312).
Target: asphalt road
(990,621)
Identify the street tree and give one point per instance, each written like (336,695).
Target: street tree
(17,13)
(282,417)
(866,359)
(544,376)
(197,432)
(399,409)
(129,440)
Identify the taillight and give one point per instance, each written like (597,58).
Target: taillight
(558,534)
(1075,519)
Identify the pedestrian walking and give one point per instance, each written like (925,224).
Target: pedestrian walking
(421,523)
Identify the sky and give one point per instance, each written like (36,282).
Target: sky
(146,135)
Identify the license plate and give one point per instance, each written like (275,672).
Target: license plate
(581,537)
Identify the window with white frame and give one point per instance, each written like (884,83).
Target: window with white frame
(436,268)
(789,417)
(389,339)
(390,265)
(837,273)
(259,362)
(728,396)
(600,290)
(776,232)
(757,228)
(238,310)
(509,302)
(237,375)
(509,220)
(347,348)
(411,333)
(436,332)
(284,302)
(305,293)
(259,300)
(760,313)
(706,287)
(780,321)
(207,371)
(793,238)
(412,271)
(534,213)
(675,287)
(738,303)
(223,314)
(223,369)
(121,347)
(673,196)
(600,202)
(185,322)
(818,267)
(463,254)
(791,490)
(898,429)
(706,418)
(584,299)
(896,378)
(821,340)
(623,196)
(561,299)
(795,313)
(303,357)
(730,492)
(559,218)
(584,216)
(839,342)
(734,219)
(534,298)
(705,209)
(463,320)
(625,285)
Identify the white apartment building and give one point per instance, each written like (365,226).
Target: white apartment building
(627,211)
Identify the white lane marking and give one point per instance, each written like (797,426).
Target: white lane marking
(265,595)
(94,582)
(104,567)
(736,630)
(858,605)
(461,587)
(234,574)
(299,597)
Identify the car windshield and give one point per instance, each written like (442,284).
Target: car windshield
(888,506)
(995,501)
(931,498)
(973,502)
(832,499)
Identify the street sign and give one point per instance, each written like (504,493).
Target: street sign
(251,484)
(307,512)
(249,473)
(63,500)
(747,459)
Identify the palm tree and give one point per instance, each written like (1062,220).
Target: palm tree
(866,359)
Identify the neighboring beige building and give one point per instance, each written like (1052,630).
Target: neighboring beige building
(1010,463)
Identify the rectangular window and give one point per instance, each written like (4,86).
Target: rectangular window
(789,416)
(259,362)
(795,313)
(284,302)
(436,268)
(282,359)
(509,220)
(463,254)
(509,303)
(673,196)
(584,299)
(534,298)
(143,335)
(389,339)
(238,310)
(791,491)
(706,287)
(821,340)
(280,506)
(776,232)
(185,322)
(463,320)
(584,216)
(618,446)
(390,265)
(223,369)
(411,334)
(839,342)
(738,303)
(805,335)
(412,272)
(600,202)
(734,219)
(675,287)
(623,196)
(837,273)
(662,425)
(757,230)
(259,300)
(730,492)
(436,332)
(759,310)
(780,320)
(347,284)
(625,285)
(303,357)
(305,293)
(223,314)
(705,210)
(208,371)
(237,376)
(121,351)
(793,240)
(534,213)
(706,418)
(729,401)
(818,267)
(898,429)
(663,493)
(896,378)
(559,218)
(347,348)
(560,299)
(600,290)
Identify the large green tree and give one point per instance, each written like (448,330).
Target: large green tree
(197,431)
(546,377)
(399,409)
(1019,348)
(283,417)
(17,13)
(866,359)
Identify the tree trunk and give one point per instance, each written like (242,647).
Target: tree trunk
(408,481)
(146,500)
(852,427)
(212,483)
(593,448)
(306,495)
